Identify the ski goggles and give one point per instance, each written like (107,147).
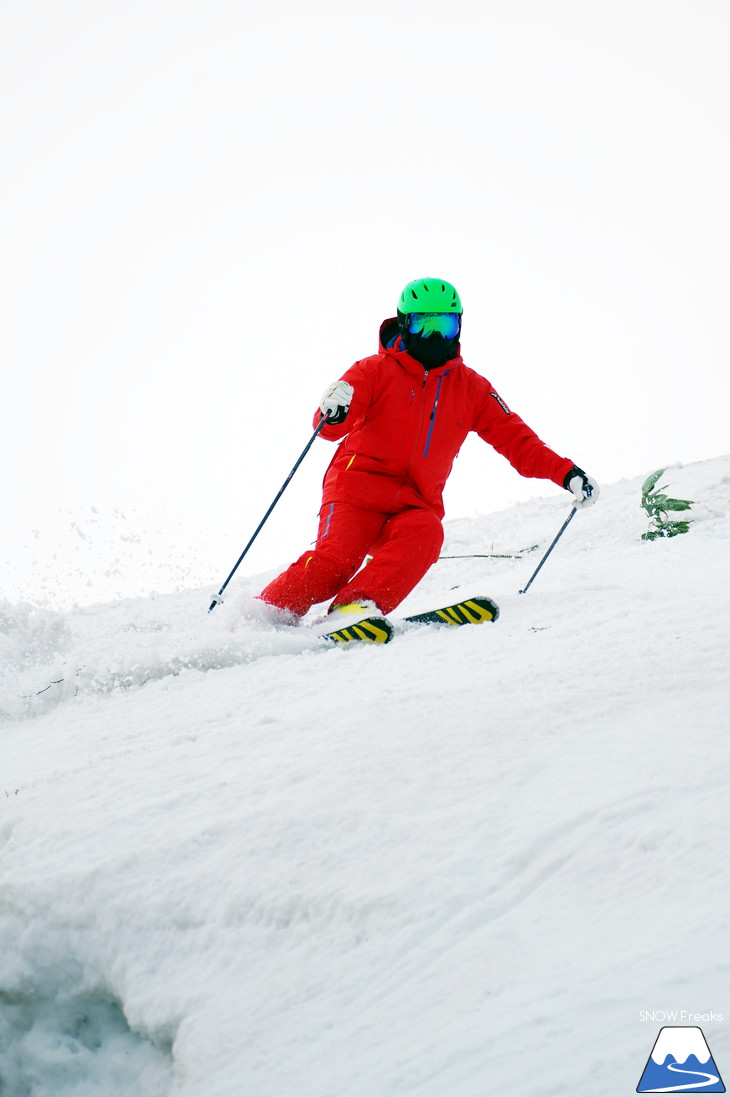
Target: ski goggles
(445,324)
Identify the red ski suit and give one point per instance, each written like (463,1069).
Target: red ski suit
(383,488)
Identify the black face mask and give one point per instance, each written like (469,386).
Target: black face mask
(431,351)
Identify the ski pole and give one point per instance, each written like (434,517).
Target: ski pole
(217,598)
(560,533)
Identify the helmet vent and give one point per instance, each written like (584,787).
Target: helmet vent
(429,295)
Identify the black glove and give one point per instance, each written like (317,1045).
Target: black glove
(583,487)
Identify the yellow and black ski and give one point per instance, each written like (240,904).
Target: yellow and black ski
(472,611)
(380,630)
(373,630)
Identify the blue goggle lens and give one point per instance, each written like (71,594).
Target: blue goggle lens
(445,324)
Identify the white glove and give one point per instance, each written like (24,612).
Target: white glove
(583,487)
(336,400)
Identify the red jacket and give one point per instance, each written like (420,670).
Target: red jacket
(407,424)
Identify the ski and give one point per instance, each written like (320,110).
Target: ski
(470,611)
(380,630)
(371,630)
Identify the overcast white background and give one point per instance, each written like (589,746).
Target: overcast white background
(208,208)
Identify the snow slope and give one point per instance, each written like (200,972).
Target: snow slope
(241,863)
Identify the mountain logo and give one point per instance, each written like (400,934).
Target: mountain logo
(680,1062)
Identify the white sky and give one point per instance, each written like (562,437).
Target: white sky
(207,208)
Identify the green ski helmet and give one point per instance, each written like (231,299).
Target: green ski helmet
(429,321)
(429,295)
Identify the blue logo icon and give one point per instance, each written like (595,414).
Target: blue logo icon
(680,1062)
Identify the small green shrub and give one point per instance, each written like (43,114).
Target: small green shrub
(658,505)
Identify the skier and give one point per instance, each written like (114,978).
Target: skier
(402,415)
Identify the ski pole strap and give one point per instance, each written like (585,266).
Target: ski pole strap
(557,537)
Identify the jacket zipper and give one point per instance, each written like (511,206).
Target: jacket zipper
(432,417)
(420,413)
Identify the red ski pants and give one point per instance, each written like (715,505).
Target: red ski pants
(403,547)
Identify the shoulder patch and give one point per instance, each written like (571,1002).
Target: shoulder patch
(501,402)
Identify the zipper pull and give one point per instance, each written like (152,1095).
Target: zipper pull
(425,378)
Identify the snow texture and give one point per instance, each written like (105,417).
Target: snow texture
(234,860)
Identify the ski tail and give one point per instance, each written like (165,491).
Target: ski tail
(372,630)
